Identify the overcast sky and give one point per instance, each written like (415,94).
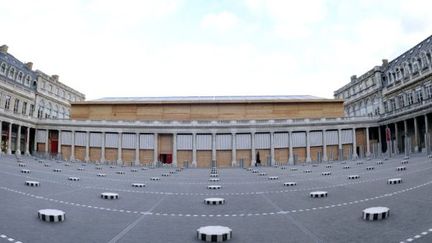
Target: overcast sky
(107,48)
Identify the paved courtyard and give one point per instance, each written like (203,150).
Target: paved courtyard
(256,209)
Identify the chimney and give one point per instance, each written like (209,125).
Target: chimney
(353,78)
(4,48)
(384,62)
(55,77)
(29,65)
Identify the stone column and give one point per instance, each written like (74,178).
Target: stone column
(389,152)
(102,156)
(214,148)
(396,149)
(340,156)
(426,135)
(354,149)
(46,141)
(18,142)
(367,143)
(119,149)
(87,148)
(416,136)
(308,152)
(72,156)
(291,155)
(59,142)
(155,149)
(1,136)
(194,150)
(379,141)
(9,145)
(137,149)
(406,138)
(27,148)
(174,156)
(272,148)
(324,141)
(253,161)
(233,149)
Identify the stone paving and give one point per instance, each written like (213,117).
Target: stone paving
(256,208)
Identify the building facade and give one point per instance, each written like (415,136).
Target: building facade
(26,97)
(398,94)
(384,112)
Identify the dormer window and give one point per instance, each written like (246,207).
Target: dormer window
(27,81)
(12,73)
(20,77)
(3,68)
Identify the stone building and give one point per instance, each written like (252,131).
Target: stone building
(384,112)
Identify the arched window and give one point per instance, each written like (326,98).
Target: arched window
(3,68)
(27,81)
(11,73)
(20,77)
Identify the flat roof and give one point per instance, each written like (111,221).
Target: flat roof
(206,99)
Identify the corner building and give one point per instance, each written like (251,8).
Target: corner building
(384,112)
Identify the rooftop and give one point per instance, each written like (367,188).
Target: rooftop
(207,99)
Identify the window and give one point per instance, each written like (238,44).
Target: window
(7,102)
(410,98)
(16,105)
(392,104)
(12,73)
(20,77)
(401,101)
(418,96)
(31,110)
(3,68)
(24,108)
(428,91)
(385,106)
(27,81)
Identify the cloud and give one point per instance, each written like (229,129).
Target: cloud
(221,22)
(291,20)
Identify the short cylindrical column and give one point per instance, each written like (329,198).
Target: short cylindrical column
(18,142)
